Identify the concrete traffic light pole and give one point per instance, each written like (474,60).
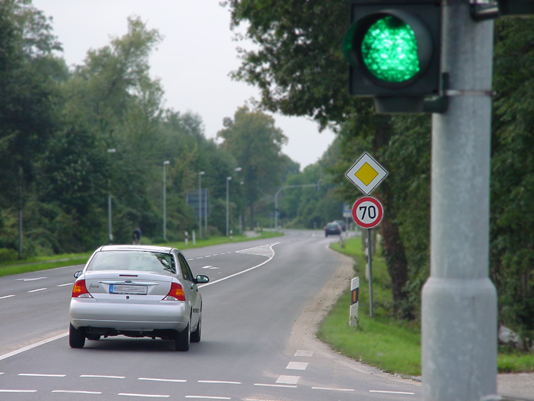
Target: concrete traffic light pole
(459,322)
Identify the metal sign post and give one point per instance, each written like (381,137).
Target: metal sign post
(370,264)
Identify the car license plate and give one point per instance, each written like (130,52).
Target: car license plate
(128,289)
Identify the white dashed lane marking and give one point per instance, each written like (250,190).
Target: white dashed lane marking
(31,279)
(38,289)
(77,392)
(218,382)
(275,385)
(102,377)
(297,365)
(333,389)
(41,375)
(392,392)
(287,379)
(2,390)
(162,380)
(144,395)
(6,296)
(206,397)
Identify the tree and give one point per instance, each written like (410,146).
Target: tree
(254,141)
(29,97)
(512,188)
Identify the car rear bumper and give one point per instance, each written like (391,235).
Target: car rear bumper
(167,315)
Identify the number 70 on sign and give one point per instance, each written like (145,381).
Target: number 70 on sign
(367,212)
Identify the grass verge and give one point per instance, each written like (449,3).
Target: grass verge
(391,345)
(51,262)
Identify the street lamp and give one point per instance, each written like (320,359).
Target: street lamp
(110,228)
(200,174)
(228,179)
(165,164)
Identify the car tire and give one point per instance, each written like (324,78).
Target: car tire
(195,335)
(182,339)
(76,337)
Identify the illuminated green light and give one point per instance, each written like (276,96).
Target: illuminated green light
(389,50)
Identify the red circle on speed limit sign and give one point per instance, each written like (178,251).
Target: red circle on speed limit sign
(367,212)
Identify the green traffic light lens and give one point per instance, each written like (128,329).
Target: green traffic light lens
(389,50)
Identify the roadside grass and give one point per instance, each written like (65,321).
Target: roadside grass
(71,259)
(384,342)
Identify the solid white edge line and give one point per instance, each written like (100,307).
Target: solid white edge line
(45,341)
(246,270)
(392,392)
(144,395)
(34,345)
(77,392)
(218,382)
(333,389)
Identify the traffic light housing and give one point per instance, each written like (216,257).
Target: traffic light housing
(393,47)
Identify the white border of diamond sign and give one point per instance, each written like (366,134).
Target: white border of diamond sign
(366,158)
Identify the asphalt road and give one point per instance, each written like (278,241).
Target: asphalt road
(249,350)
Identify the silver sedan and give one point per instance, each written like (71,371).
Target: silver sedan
(136,291)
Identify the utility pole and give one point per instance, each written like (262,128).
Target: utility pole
(200,174)
(228,179)
(165,164)
(110,204)
(459,313)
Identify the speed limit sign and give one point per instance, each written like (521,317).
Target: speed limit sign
(367,212)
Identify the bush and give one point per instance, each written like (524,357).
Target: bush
(8,255)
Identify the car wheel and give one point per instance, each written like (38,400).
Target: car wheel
(76,337)
(195,335)
(182,339)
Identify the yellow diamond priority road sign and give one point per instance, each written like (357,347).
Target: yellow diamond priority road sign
(366,173)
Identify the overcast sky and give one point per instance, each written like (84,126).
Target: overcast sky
(193,60)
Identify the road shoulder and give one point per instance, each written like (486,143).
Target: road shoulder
(516,386)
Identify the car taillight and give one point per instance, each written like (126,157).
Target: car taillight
(79,290)
(176,293)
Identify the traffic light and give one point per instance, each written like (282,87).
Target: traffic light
(393,47)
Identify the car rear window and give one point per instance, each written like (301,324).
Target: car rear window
(133,260)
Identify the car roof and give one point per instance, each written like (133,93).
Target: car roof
(146,248)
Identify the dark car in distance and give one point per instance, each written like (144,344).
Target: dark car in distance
(332,229)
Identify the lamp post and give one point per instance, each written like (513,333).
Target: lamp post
(200,174)
(110,226)
(165,164)
(228,179)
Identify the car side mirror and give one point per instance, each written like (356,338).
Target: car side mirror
(202,279)
(78,274)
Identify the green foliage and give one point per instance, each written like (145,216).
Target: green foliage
(256,143)
(512,188)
